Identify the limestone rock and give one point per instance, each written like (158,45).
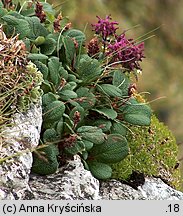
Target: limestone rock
(19,139)
(71,182)
(115,190)
(152,189)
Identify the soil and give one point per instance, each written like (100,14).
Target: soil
(136,179)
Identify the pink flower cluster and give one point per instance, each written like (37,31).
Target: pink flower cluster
(105,27)
(117,47)
(126,52)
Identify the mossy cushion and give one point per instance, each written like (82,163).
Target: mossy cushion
(153,151)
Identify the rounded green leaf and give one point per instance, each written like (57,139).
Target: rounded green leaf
(100,170)
(92,134)
(50,135)
(88,144)
(67,94)
(69,49)
(109,113)
(43,68)
(60,126)
(110,90)
(121,81)
(104,124)
(45,163)
(88,69)
(77,147)
(48,46)
(84,155)
(118,128)
(53,111)
(16,25)
(113,150)
(54,66)
(48,98)
(46,87)
(87,99)
(78,35)
(37,56)
(137,114)
(37,29)
(39,40)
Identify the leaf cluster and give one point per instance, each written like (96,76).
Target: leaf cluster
(86,103)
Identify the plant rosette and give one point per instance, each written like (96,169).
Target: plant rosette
(89,91)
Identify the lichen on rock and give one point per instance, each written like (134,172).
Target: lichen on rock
(15,153)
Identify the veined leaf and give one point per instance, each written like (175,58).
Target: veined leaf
(118,128)
(37,56)
(109,113)
(37,29)
(48,98)
(88,99)
(54,66)
(43,68)
(78,35)
(137,114)
(92,134)
(53,111)
(16,26)
(50,135)
(121,81)
(48,46)
(60,126)
(46,87)
(67,94)
(88,69)
(77,147)
(99,170)
(110,90)
(104,124)
(88,144)
(113,150)
(69,49)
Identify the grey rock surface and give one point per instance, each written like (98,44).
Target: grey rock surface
(152,189)
(19,139)
(71,182)
(115,190)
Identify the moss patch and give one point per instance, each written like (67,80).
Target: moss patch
(153,151)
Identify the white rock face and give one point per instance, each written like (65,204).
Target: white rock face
(152,189)
(71,182)
(20,139)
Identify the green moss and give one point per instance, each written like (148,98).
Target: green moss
(153,151)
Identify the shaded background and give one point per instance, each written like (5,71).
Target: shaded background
(163,66)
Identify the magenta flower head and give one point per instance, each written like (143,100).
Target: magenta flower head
(105,27)
(126,52)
